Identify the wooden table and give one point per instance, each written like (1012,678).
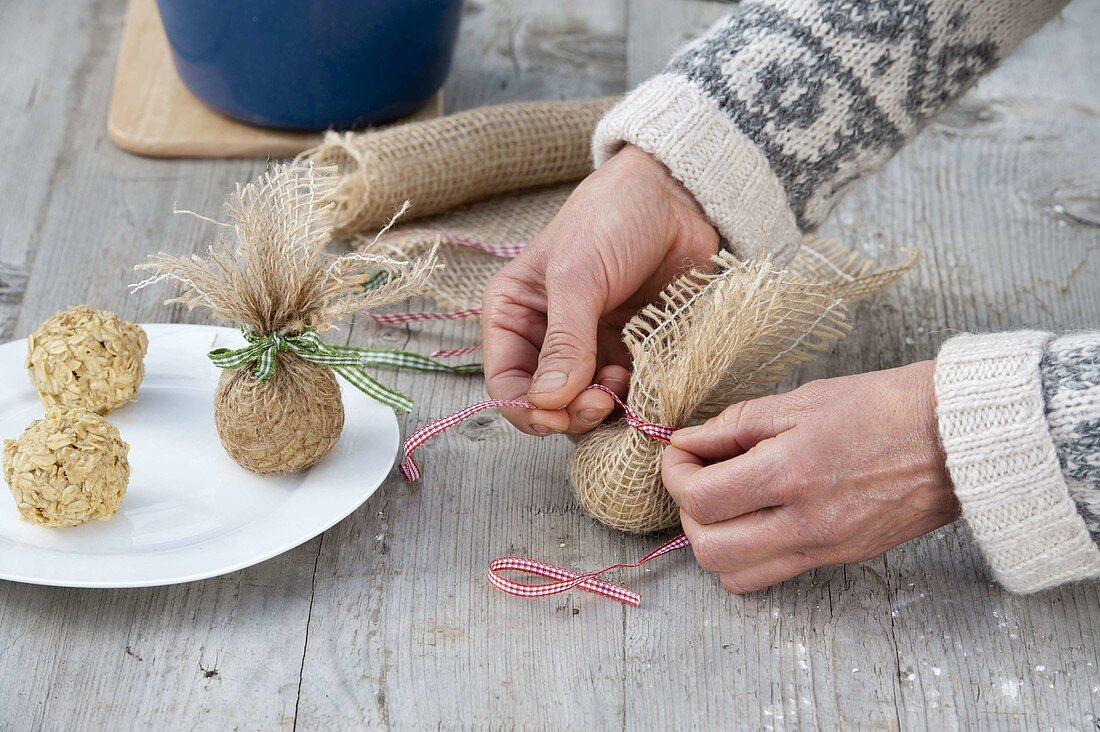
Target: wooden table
(386,619)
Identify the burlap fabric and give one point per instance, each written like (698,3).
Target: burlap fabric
(286,423)
(275,278)
(445,162)
(712,340)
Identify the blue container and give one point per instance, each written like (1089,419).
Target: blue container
(312,64)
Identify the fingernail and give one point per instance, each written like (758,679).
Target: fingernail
(549,381)
(539,429)
(687,431)
(591,416)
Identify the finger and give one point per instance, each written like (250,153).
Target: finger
(591,407)
(512,328)
(734,487)
(741,543)
(610,349)
(567,359)
(738,427)
(538,422)
(754,579)
(678,467)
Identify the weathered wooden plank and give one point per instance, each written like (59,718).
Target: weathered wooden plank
(514,51)
(40,59)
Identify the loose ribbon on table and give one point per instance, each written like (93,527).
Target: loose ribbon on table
(347,361)
(562,579)
(418,316)
(504,251)
(508,250)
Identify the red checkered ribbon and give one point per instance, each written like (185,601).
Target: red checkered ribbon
(416,440)
(400,318)
(456,352)
(562,580)
(505,251)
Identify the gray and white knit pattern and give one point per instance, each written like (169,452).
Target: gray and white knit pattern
(811,94)
(1070,371)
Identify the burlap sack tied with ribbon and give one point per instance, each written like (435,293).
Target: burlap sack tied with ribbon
(278,407)
(714,338)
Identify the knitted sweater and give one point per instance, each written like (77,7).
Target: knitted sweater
(782,105)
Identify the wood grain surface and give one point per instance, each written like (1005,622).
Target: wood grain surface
(386,620)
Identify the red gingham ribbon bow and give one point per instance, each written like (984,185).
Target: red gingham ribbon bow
(567,579)
(562,579)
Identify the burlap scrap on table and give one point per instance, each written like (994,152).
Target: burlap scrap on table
(462,272)
(442,163)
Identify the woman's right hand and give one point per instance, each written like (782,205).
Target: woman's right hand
(553,317)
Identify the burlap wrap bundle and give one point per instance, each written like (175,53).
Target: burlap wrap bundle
(442,163)
(714,338)
(277,282)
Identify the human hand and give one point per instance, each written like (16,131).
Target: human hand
(837,471)
(552,318)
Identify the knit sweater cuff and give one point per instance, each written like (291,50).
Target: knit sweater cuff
(1003,462)
(728,175)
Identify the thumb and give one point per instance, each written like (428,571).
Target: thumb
(567,361)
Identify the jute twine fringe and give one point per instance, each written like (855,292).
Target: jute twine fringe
(274,277)
(443,163)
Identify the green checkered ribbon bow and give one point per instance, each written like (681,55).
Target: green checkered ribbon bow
(347,361)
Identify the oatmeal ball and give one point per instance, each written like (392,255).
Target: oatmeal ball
(67,469)
(86,358)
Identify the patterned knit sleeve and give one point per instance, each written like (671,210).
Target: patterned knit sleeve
(783,104)
(1019,417)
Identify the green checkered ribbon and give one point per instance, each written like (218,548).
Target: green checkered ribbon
(347,361)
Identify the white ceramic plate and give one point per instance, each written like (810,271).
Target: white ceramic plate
(190,512)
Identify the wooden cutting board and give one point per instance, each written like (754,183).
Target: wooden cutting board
(153,113)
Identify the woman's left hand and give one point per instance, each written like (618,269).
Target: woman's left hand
(837,471)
